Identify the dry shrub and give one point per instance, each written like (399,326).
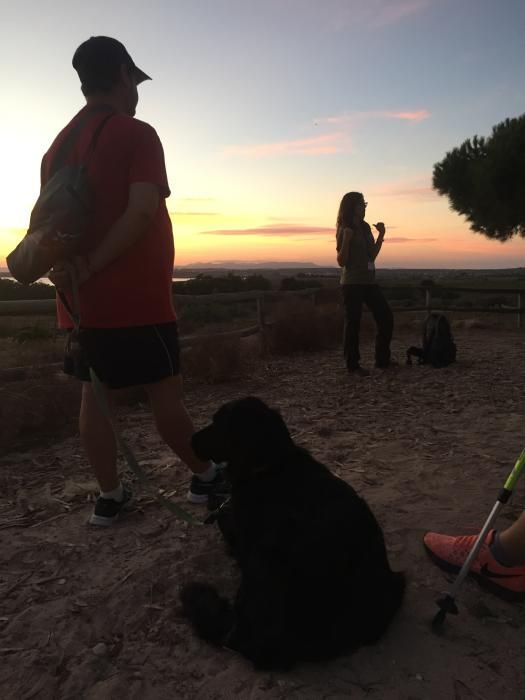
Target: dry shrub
(468,323)
(251,349)
(300,326)
(32,407)
(35,352)
(330,319)
(213,359)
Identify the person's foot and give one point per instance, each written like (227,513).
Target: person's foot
(107,510)
(450,553)
(215,490)
(358,371)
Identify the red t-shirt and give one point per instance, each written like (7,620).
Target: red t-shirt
(136,288)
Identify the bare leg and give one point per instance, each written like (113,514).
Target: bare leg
(512,541)
(173,422)
(98,440)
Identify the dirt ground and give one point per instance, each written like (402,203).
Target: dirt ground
(94,614)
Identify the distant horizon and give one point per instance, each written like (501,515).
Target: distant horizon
(300,265)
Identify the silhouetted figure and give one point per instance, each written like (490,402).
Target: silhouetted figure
(128,330)
(356,253)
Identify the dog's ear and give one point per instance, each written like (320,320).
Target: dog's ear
(256,434)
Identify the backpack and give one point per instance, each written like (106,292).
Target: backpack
(61,215)
(439,349)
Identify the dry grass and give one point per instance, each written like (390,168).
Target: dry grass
(48,404)
(214,360)
(300,326)
(31,407)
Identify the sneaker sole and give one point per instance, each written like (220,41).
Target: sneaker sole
(197,498)
(484,582)
(100,521)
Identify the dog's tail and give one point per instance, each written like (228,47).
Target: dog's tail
(211,615)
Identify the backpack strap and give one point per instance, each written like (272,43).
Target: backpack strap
(96,135)
(69,140)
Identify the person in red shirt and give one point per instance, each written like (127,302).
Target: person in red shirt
(128,329)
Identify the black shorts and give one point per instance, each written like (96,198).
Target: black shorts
(124,357)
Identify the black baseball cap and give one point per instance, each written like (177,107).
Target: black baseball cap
(98,60)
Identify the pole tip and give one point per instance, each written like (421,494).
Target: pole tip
(445,605)
(438,620)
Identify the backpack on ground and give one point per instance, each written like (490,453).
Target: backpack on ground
(439,349)
(61,215)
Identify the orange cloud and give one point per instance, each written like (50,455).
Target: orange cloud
(193,200)
(323,144)
(401,239)
(194,213)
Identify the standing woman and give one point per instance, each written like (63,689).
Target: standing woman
(356,253)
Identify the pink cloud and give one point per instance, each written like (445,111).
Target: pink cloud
(410,116)
(394,12)
(274,230)
(324,144)
(376,14)
(413,189)
(349,117)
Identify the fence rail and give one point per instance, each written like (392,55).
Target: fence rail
(431,294)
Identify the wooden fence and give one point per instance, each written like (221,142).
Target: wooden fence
(429,302)
(429,297)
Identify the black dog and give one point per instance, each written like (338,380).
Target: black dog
(315,575)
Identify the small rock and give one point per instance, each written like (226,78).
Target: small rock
(62,581)
(419,677)
(100,649)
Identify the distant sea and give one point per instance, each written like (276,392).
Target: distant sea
(44,280)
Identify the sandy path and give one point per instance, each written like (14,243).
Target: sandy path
(427,448)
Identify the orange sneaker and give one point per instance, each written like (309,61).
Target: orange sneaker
(450,553)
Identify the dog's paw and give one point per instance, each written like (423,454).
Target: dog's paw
(211,615)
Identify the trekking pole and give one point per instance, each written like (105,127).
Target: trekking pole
(448,603)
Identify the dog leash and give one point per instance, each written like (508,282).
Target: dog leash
(101,398)
(129,455)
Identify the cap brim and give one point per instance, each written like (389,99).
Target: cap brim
(140,76)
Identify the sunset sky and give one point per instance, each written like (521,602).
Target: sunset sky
(270,110)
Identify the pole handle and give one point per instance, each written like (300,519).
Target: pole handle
(515,474)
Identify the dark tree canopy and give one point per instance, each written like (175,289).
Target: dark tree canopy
(484,179)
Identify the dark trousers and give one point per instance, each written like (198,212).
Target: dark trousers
(354,296)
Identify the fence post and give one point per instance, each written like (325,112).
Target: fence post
(428,297)
(260,312)
(261,322)
(520,307)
